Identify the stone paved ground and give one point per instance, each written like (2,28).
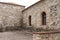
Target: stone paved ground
(16,35)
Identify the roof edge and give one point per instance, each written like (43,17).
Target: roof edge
(32,5)
(11,4)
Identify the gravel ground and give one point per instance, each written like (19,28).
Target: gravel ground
(16,35)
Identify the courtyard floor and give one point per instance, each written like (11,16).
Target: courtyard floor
(16,35)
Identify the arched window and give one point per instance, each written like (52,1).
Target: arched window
(43,18)
(29,20)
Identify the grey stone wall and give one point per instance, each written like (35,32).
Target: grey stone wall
(52,9)
(10,15)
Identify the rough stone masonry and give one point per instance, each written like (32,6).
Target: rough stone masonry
(18,16)
(41,16)
(32,17)
(46,36)
(52,10)
(10,15)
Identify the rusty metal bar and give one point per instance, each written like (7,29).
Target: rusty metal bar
(48,32)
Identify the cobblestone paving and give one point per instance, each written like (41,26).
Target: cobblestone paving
(16,35)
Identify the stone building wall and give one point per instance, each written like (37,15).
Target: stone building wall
(52,10)
(10,15)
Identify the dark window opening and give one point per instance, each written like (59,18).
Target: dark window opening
(29,20)
(43,18)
